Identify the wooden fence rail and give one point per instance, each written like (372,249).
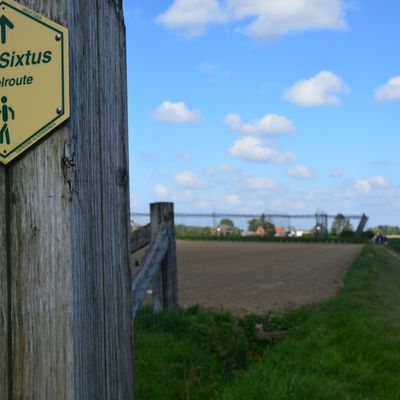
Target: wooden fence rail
(159,267)
(140,238)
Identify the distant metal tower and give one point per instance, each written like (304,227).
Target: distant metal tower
(321,224)
(361,227)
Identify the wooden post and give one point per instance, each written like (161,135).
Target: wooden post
(4,298)
(165,284)
(65,323)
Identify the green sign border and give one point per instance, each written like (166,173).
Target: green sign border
(2,155)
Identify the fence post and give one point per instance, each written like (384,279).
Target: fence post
(165,284)
(4,296)
(65,319)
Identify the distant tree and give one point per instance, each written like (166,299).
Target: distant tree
(188,230)
(341,224)
(387,230)
(227,221)
(263,221)
(269,229)
(254,224)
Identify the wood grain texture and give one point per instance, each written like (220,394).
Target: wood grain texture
(157,285)
(170,268)
(41,274)
(140,238)
(150,267)
(165,283)
(3,291)
(102,276)
(70,291)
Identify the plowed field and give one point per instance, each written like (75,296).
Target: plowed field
(257,277)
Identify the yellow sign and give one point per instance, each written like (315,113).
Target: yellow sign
(34,78)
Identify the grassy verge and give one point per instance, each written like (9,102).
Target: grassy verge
(191,354)
(394,243)
(186,354)
(347,348)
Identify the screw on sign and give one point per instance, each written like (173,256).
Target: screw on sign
(34,78)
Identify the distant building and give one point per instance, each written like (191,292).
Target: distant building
(280,231)
(261,231)
(224,230)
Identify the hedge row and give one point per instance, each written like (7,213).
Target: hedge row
(305,239)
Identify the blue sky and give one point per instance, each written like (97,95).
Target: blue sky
(265,106)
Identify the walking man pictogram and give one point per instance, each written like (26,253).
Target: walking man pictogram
(5,111)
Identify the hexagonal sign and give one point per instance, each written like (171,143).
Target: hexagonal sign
(34,78)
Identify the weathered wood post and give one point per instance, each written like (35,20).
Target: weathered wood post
(65,322)
(165,284)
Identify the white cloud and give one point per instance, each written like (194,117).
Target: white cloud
(240,193)
(188,179)
(192,16)
(320,90)
(390,91)
(261,183)
(301,172)
(176,113)
(379,181)
(219,169)
(252,149)
(263,19)
(161,191)
(367,185)
(232,199)
(286,157)
(273,18)
(270,124)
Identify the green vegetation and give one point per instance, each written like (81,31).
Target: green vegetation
(227,221)
(188,232)
(192,231)
(187,354)
(306,238)
(262,222)
(340,225)
(387,230)
(191,354)
(395,244)
(345,348)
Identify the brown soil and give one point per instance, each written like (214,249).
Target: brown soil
(256,277)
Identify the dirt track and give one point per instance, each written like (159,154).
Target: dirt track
(257,277)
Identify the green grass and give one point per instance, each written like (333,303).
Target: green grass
(394,243)
(345,348)
(187,354)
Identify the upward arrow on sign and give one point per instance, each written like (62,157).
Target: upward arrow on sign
(4,23)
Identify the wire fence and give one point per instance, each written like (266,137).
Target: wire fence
(284,224)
